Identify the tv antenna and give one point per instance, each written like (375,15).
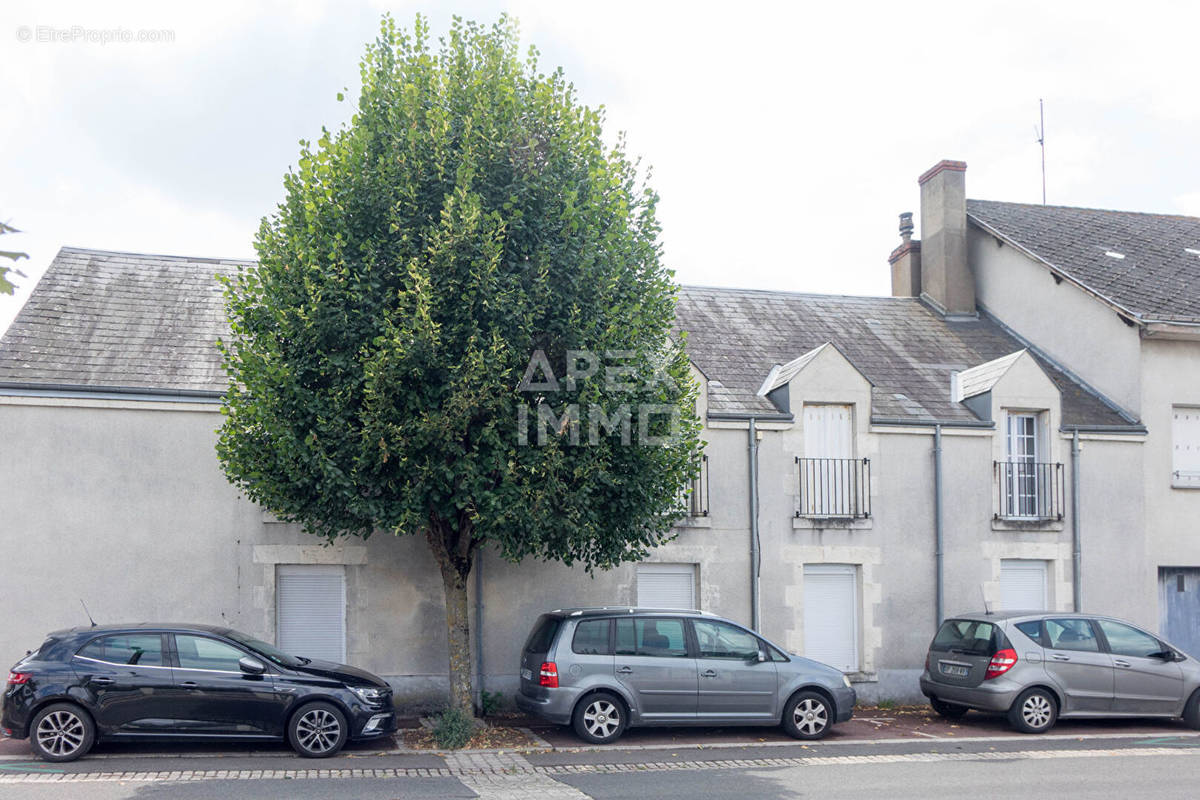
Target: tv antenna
(1040,132)
(85,611)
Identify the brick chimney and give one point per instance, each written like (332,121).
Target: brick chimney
(906,261)
(946,279)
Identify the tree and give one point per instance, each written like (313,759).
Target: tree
(459,326)
(7,286)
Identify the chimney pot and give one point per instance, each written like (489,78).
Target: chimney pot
(906,225)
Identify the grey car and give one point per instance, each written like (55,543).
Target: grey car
(604,669)
(1038,666)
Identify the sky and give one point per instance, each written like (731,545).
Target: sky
(783,138)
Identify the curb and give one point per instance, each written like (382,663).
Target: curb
(542,746)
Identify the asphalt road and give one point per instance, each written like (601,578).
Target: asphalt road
(1070,767)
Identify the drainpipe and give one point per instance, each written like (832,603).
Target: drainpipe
(754,548)
(1077,583)
(938,548)
(479,626)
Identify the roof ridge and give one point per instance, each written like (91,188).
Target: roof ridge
(794,293)
(1084,208)
(131,254)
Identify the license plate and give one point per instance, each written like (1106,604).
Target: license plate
(526,675)
(954,670)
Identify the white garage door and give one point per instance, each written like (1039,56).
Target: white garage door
(831,615)
(1022,584)
(666,585)
(310,608)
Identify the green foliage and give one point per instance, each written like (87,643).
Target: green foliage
(7,286)
(490,702)
(453,729)
(886,705)
(468,215)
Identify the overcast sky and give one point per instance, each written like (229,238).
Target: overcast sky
(784,139)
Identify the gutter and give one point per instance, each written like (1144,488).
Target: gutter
(1131,430)
(933,423)
(65,390)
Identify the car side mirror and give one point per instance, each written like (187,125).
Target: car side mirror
(762,656)
(251,666)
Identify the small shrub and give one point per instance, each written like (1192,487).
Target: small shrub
(453,729)
(490,702)
(886,705)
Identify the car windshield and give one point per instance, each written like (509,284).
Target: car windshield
(267,651)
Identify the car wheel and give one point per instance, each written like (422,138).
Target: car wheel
(1191,712)
(600,718)
(318,730)
(1034,711)
(62,732)
(947,710)
(808,715)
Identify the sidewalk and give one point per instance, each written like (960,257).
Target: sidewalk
(869,725)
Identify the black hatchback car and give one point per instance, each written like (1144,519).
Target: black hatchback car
(186,681)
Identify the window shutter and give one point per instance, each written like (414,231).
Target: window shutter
(310,609)
(828,432)
(1022,585)
(831,615)
(666,585)
(1185,436)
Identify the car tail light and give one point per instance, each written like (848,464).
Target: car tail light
(17,678)
(1002,662)
(548,676)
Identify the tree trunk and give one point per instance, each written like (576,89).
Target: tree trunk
(455,564)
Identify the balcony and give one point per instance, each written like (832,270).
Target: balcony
(837,488)
(1029,491)
(693,499)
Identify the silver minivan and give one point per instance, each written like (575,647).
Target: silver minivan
(604,669)
(1039,666)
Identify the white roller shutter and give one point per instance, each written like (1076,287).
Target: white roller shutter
(310,608)
(1022,585)
(666,585)
(831,615)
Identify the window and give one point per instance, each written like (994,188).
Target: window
(1185,438)
(693,498)
(591,638)
(543,634)
(833,483)
(1124,640)
(666,585)
(310,608)
(831,615)
(651,637)
(1071,634)
(200,652)
(142,649)
(1022,459)
(1022,584)
(719,640)
(968,636)
(1033,630)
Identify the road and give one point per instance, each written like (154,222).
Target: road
(1083,767)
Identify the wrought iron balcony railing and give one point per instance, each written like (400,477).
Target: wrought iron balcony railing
(694,498)
(1029,490)
(834,487)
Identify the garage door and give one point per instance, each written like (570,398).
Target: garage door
(1179,598)
(310,608)
(831,615)
(1022,585)
(666,585)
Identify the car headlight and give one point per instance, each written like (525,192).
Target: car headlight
(846,680)
(369,694)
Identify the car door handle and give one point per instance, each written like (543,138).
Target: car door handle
(1121,663)
(189,685)
(102,681)
(1060,657)
(625,670)
(708,673)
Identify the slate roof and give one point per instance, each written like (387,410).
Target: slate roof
(980,379)
(1156,281)
(901,345)
(106,320)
